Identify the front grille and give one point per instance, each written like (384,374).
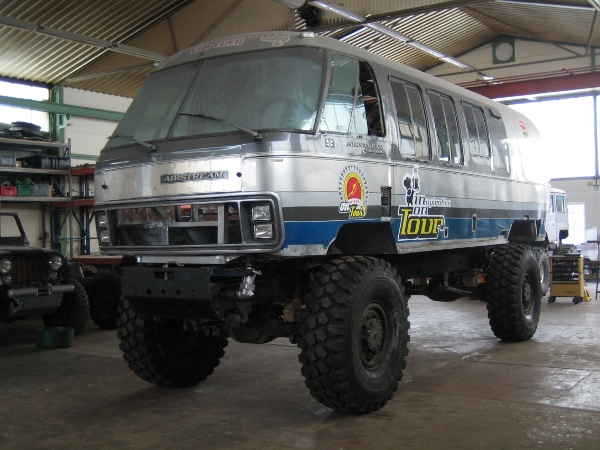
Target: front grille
(27,269)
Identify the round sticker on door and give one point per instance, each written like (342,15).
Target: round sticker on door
(353,192)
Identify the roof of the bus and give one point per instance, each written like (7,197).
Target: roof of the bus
(249,42)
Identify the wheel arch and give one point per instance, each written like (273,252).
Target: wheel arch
(364,238)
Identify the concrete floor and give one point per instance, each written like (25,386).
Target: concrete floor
(462,389)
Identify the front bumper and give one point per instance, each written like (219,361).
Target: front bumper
(29,301)
(182,291)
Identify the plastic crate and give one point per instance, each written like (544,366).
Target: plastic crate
(45,162)
(8,191)
(41,190)
(25,190)
(7,160)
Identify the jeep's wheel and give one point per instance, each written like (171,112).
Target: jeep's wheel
(354,334)
(73,310)
(513,293)
(163,353)
(105,295)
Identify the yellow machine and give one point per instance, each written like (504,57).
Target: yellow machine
(566,278)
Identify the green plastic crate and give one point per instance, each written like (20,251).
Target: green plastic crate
(25,190)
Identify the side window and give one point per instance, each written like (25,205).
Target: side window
(339,107)
(368,99)
(561,207)
(352,104)
(412,126)
(551,203)
(446,128)
(477,130)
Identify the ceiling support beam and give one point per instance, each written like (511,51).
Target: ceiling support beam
(540,86)
(57,108)
(86,40)
(389,32)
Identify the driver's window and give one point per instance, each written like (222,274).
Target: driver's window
(352,105)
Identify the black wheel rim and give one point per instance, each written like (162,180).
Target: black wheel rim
(374,332)
(526,296)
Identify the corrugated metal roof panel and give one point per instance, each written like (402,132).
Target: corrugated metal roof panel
(31,56)
(539,22)
(450,31)
(450,26)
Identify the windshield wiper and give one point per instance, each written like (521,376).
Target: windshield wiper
(257,137)
(152,147)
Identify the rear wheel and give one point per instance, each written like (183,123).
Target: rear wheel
(73,310)
(354,334)
(163,353)
(513,293)
(544,267)
(105,296)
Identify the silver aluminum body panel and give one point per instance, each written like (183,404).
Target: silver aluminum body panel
(306,171)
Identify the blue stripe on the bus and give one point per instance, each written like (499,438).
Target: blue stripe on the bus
(311,233)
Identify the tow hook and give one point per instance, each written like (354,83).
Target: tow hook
(246,289)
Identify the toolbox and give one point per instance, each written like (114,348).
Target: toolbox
(567,278)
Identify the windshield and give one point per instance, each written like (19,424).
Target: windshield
(268,90)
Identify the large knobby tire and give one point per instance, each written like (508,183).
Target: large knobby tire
(73,310)
(513,293)
(105,296)
(354,334)
(544,267)
(163,353)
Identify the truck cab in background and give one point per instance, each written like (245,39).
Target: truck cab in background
(557,223)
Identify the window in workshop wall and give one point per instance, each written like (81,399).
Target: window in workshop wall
(9,114)
(566,128)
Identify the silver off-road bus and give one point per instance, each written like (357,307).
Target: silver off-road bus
(284,184)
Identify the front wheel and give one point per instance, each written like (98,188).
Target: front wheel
(73,310)
(354,334)
(163,352)
(513,293)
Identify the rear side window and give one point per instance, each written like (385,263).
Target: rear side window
(477,130)
(412,125)
(352,104)
(446,128)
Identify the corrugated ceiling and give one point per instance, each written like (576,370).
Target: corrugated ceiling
(165,26)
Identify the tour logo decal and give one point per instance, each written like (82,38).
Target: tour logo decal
(415,220)
(524,128)
(354,193)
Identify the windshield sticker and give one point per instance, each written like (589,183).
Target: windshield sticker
(354,193)
(196,176)
(524,128)
(415,220)
(276,40)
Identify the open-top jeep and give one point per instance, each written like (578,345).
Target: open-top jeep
(38,281)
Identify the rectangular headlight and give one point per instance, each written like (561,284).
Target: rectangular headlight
(104,237)
(261,213)
(263,231)
(101,221)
